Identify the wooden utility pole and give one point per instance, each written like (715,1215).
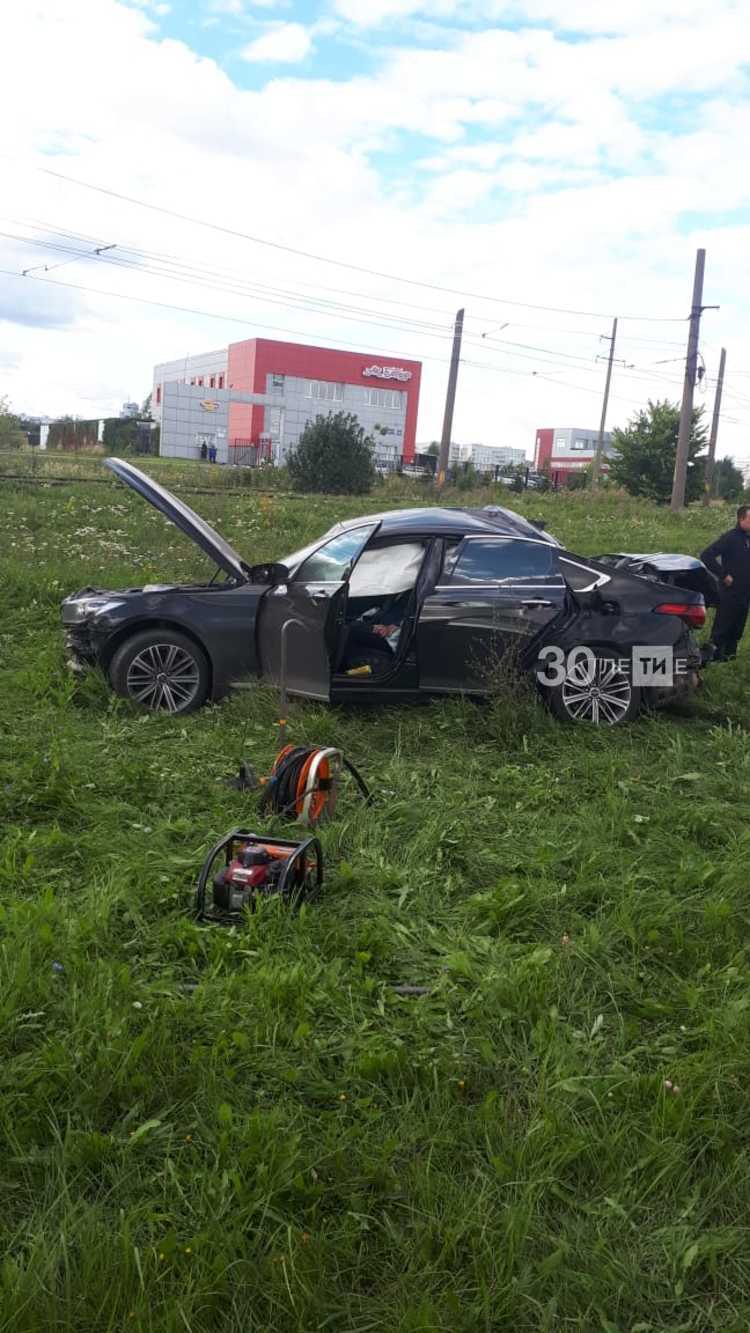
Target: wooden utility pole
(597,464)
(708,483)
(691,367)
(450,399)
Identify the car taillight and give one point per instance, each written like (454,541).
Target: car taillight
(693,613)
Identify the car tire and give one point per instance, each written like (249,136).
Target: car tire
(161,670)
(595,691)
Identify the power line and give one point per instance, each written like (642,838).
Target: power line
(210,314)
(340,263)
(539,355)
(164,257)
(231,319)
(316,306)
(176,260)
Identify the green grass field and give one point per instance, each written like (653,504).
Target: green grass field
(248,1131)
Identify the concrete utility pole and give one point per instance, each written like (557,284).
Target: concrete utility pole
(691,367)
(450,399)
(708,483)
(597,464)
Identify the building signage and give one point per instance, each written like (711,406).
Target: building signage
(210,405)
(387,372)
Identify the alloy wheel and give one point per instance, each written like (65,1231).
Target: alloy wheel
(597,691)
(163,677)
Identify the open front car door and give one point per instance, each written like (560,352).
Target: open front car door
(305,618)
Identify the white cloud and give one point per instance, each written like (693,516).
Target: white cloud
(576,16)
(286,43)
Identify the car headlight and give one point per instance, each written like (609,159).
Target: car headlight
(75,613)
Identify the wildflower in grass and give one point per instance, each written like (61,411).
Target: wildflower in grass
(565,939)
(461,1083)
(342,1096)
(137,1004)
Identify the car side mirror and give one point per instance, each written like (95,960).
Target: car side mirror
(272,573)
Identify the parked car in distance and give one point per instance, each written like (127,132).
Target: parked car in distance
(393,606)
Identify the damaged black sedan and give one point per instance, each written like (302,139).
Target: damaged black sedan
(398,606)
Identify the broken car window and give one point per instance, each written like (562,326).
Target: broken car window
(331,563)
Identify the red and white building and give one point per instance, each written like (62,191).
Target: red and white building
(254,398)
(567,449)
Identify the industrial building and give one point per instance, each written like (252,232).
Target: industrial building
(486,457)
(562,450)
(252,400)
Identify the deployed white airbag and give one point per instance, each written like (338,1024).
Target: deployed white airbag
(386,570)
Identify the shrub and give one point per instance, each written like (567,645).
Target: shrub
(333,455)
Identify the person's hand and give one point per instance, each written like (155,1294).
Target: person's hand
(384,630)
(728,580)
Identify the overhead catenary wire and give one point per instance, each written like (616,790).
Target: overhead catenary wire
(340,263)
(211,270)
(331,309)
(212,314)
(255,324)
(317,306)
(420,328)
(226,273)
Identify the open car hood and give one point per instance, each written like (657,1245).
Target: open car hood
(182,516)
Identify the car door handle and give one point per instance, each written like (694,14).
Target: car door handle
(319,597)
(537,601)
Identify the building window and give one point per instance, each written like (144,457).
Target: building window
(200,381)
(389,398)
(221,382)
(212,382)
(277,381)
(158,394)
(324,390)
(582,444)
(193,380)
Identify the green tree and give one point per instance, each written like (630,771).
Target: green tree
(333,455)
(466,477)
(11,435)
(646,451)
(120,435)
(728,482)
(433,449)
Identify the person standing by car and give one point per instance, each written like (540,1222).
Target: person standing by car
(729,559)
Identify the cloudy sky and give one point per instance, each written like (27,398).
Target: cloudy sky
(349,172)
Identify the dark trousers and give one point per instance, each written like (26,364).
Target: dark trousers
(363,644)
(729,623)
